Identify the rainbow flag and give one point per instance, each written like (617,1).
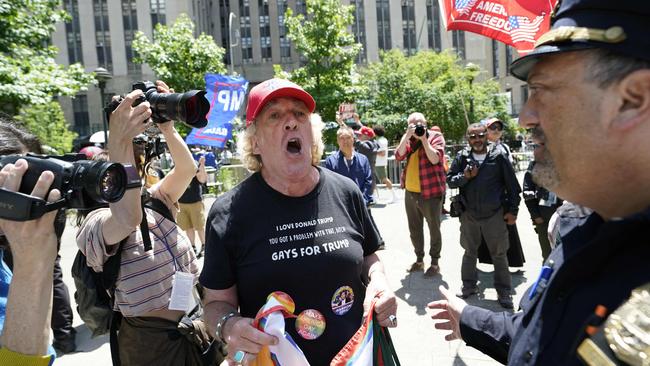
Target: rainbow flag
(270,319)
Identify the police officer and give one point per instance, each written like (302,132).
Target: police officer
(589,114)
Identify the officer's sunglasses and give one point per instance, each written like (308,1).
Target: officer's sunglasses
(475,136)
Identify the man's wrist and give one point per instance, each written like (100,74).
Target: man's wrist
(221,325)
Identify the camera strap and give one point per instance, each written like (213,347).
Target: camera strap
(18,206)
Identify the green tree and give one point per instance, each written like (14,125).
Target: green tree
(28,71)
(178,58)
(330,51)
(428,82)
(48,123)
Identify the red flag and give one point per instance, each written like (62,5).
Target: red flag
(515,22)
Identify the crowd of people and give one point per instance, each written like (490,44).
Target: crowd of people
(304,233)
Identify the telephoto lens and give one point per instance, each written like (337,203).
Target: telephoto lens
(190,107)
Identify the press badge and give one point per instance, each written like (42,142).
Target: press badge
(182,298)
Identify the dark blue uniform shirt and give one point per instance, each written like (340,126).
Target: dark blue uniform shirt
(595,263)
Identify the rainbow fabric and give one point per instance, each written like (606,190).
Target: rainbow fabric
(359,351)
(270,319)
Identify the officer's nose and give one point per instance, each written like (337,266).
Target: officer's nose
(528,117)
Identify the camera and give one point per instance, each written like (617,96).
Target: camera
(84,184)
(471,164)
(190,107)
(420,129)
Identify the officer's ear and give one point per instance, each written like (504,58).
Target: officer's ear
(634,105)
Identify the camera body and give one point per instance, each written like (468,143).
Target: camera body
(421,129)
(84,184)
(190,107)
(471,164)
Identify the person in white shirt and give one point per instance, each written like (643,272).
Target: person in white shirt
(381,165)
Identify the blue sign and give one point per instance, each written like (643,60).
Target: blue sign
(226,95)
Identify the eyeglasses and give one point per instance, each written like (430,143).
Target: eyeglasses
(495,127)
(475,136)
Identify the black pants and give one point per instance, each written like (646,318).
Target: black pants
(61,310)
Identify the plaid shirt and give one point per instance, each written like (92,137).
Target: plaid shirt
(432,176)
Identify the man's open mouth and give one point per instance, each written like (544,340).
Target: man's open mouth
(294,146)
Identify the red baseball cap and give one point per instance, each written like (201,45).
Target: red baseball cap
(274,88)
(366,131)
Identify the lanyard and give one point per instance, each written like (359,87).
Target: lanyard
(169,249)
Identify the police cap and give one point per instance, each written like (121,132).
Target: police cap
(621,26)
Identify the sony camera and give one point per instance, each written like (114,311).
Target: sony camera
(421,129)
(84,184)
(190,107)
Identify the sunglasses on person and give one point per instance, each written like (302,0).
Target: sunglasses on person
(475,136)
(495,127)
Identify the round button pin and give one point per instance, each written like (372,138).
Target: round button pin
(342,300)
(284,299)
(310,324)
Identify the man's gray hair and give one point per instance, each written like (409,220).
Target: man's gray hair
(253,162)
(606,67)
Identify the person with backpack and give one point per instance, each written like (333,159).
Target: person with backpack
(158,270)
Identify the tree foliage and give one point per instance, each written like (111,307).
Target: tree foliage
(48,123)
(329,49)
(434,84)
(28,71)
(177,57)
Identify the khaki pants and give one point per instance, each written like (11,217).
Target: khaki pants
(494,230)
(417,210)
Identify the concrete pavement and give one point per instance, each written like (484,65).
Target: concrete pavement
(416,340)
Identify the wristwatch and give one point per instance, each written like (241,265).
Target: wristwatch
(221,323)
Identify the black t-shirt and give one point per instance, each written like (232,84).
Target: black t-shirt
(192,193)
(310,247)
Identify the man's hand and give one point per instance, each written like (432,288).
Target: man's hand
(240,335)
(538,221)
(410,131)
(33,243)
(510,218)
(386,305)
(470,172)
(162,88)
(127,121)
(448,309)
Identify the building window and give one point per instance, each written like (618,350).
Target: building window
(72,32)
(224,15)
(245,30)
(495,58)
(408,27)
(301,7)
(433,25)
(285,43)
(130,21)
(81,119)
(458,42)
(158,12)
(359,29)
(265,30)
(508,59)
(383,24)
(102,34)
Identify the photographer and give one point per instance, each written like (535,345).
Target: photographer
(14,140)
(424,181)
(154,287)
(25,333)
(485,178)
